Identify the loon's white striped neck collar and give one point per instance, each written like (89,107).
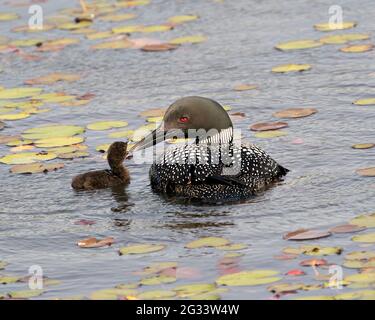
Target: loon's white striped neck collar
(225,136)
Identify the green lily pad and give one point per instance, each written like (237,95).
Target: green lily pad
(27,157)
(112,294)
(366,220)
(8,279)
(249,278)
(367,238)
(207,242)
(54,131)
(141,249)
(105,125)
(156,295)
(194,289)
(160,279)
(25,294)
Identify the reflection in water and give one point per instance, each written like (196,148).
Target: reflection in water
(120,195)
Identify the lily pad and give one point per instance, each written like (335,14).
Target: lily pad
(127,29)
(361,277)
(117,17)
(363,146)
(112,294)
(58,142)
(366,238)
(156,280)
(8,16)
(141,249)
(3,264)
(358,48)
(365,102)
(182,19)
(18,93)
(193,289)
(313,262)
(295,113)
(306,235)
(207,242)
(14,116)
(103,147)
(36,168)
(335,26)
(157,112)
(73,25)
(159,47)
(55,97)
(27,157)
(270,134)
(366,172)
(149,29)
(188,39)
(266,126)
(54,131)
(105,125)
(54,77)
(26,42)
(73,155)
(291,68)
(95,243)
(25,294)
(297,45)
(156,295)
(233,247)
(245,87)
(117,44)
(249,278)
(365,220)
(343,38)
(347,228)
(8,279)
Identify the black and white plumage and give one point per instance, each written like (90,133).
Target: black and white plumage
(214,169)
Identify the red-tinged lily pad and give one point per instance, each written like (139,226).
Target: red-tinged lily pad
(95,243)
(84,222)
(295,272)
(346,228)
(366,172)
(159,47)
(266,126)
(303,234)
(313,262)
(295,113)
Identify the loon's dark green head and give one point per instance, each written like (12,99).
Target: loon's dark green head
(189,113)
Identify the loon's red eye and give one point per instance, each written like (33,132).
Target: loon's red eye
(184,119)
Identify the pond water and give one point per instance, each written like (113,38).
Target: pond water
(38,212)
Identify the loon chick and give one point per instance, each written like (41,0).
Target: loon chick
(201,170)
(118,175)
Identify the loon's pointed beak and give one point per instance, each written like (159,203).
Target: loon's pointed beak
(156,136)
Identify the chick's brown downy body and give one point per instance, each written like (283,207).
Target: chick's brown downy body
(100,179)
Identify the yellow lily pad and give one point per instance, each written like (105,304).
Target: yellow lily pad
(36,168)
(291,68)
(358,48)
(27,28)
(25,294)
(112,294)
(182,19)
(117,17)
(188,290)
(207,242)
(363,146)
(103,147)
(121,134)
(156,295)
(298,45)
(19,142)
(357,295)
(61,42)
(74,26)
(366,238)
(23,104)
(127,29)
(8,16)
(270,134)
(74,155)
(27,157)
(118,44)
(14,116)
(53,131)
(249,278)
(159,279)
(360,255)
(365,102)
(233,247)
(56,97)
(361,277)
(105,125)
(141,249)
(344,38)
(68,149)
(316,298)
(188,39)
(245,87)
(8,279)
(26,42)
(366,172)
(3,264)
(54,77)
(58,142)
(149,29)
(99,35)
(366,220)
(18,93)
(335,26)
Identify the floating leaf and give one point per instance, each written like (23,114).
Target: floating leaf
(188,39)
(366,220)
(126,29)
(141,249)
(18,93)
(14,116)
(365,102)
(27,157)
(366,172)
(295,113)
(313,262)
(149,29)
(361,277)
(156,295)
(117,44)
(266,126)
(207,242)
(73,25)
(121,134)
(335,26)
(112,294)
(297,45)
(363,146)
(159,47)
(103,147)
(160,279)
(360,255)
(347,228)
(27,28)
(25,294)
(270,134)
(281,288)
(306,235)
(355,295)
(54,77)
(313,250)
(234,247)
(367,238)
(74,155)
(7,139)
(105,125)
(8,16)
(99,35)
(36,168)
(58,142)
(55,97)
(26,42)
(8,279)
(249,278)
(291,68)
(245,87)
(158,112)
(358,48)
(295,272)
(316,298)
(95,243)
(19,142)
(343,38)
(182,19)
(3,264)
(194,289)
(54,131)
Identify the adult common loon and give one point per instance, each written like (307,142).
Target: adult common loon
(214,167)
